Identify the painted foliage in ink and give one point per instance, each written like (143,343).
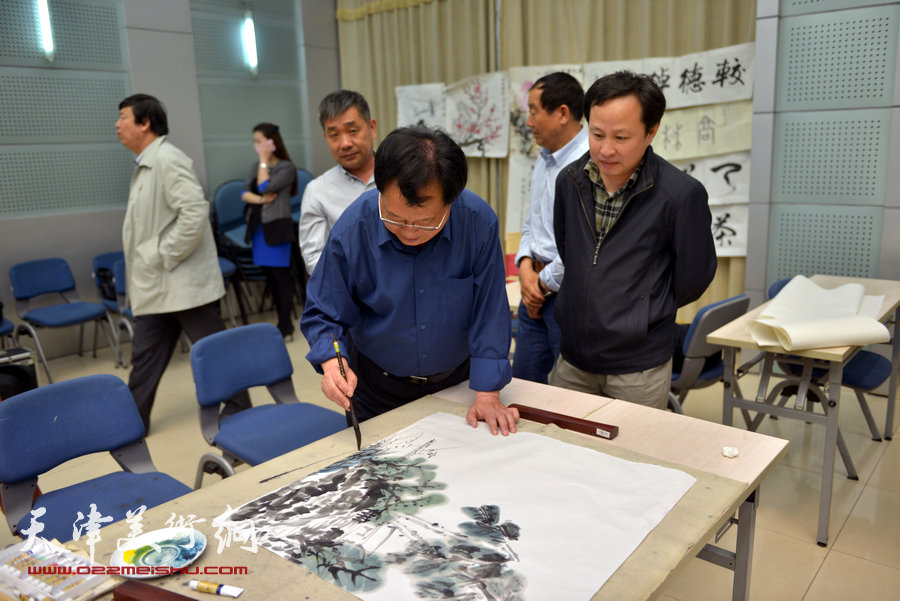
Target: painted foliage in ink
(357,519)
(441,510)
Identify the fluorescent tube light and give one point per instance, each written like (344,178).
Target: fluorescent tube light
(46,32)
(248,35)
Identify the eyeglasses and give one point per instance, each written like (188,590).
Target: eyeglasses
(426,228)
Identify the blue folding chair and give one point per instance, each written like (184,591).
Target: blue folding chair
(232,230)
(696,349)
(232,361)
(303,178)
(7,332)
(53,276)
(125,321)
(45,427)
(106,261)
(230,211)
(229,269)
(115,307)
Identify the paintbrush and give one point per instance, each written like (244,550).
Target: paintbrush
(353,420)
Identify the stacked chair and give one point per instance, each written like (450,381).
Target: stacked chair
(114,300)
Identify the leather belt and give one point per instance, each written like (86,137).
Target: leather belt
(538,265)
(423,380)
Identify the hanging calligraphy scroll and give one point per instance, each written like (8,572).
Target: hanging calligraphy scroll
(421,105)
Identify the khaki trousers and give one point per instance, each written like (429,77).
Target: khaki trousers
(649,387)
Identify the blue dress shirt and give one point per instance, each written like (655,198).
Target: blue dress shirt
(538,240)
(414,312)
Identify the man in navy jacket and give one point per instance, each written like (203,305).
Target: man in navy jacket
(634,235)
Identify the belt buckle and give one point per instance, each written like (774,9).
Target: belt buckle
(418,379)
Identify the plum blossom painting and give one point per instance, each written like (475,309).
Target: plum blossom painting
(520,81)
(477,117)
(442,510)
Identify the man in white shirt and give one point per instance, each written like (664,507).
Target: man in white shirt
(350,133)
(555,108)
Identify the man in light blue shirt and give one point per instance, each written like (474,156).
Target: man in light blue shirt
(350,133)
(413,273)
(555,105)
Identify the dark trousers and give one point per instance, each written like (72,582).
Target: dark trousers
(155,337)
(282,286)
(377,392)
(537,343)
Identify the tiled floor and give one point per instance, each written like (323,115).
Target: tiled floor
(862,560)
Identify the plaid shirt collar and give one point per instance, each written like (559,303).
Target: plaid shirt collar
(607,208)
(593,173)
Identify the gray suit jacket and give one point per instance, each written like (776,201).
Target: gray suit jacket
(170,253)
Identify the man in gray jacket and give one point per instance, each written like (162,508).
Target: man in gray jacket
(174,280)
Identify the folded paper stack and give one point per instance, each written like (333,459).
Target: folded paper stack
(804,316)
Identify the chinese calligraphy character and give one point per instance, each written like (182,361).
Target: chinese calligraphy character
(92,526)
(661,78)
(245,532)
(729,169)
(182,522)
(706,130)
(35,527)
(723,233)
(733,74)
(671,136)
(134,518)
(692,80)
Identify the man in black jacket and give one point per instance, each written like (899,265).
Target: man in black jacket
(634,235)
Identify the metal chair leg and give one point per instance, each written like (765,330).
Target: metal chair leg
(123,323)
(27,329)
(214,464)
(96,325)
(675,404)
(229,305)
(112,336)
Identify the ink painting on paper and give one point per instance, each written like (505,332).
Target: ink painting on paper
(440,510)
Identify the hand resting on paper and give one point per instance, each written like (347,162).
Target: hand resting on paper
(488,408)
(335,387)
